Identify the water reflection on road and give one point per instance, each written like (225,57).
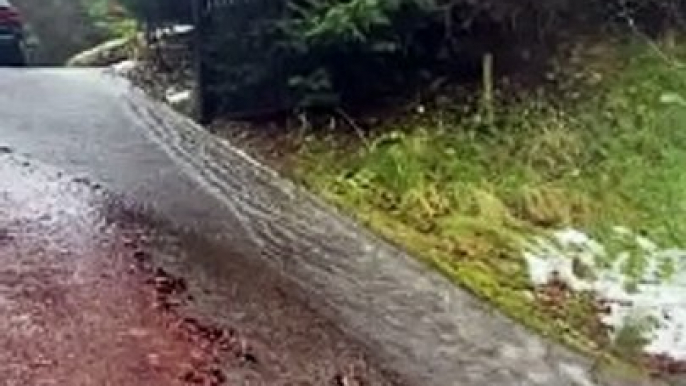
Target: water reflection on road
(93,292)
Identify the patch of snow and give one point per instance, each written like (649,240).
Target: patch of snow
(124,67)
(653,297)
(175,97)
(178,29)
(182,29)
(542,267)
(646,244)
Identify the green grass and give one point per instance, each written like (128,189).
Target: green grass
(464,197)
(112,26)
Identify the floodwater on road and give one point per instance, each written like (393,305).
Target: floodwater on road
(93,294)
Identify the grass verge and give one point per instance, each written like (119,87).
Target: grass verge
(465,197)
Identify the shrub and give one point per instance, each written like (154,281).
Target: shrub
(160,11)
(302,53)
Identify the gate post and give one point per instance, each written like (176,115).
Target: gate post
(200,110)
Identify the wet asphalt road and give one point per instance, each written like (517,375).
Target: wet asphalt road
(75,309)
(96,289)
(79,121)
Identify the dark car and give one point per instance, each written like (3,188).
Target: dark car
(11,36)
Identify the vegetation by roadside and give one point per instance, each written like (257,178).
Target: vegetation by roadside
(110,18)
(600,151)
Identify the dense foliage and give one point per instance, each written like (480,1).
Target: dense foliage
(159,11)
(109,18)
(312,52)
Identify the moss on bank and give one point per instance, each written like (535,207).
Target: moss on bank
(466,198)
